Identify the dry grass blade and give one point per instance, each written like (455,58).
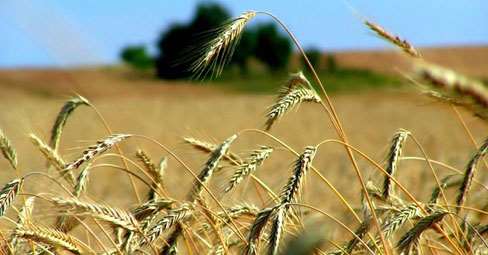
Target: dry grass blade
(249,166)
(208,169)
(99,148)
(218,52)
(8,194)
(8,150)
(53,158)
(109,214)
(469,175)
(403,44)
(455,88)
(409,239)
(392,160)
(256,230)
(67,109)
(276,230)
(210,147)
(292,188)
(173,217)
(289,101)
(49,236)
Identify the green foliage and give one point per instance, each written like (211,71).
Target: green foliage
(178,44)
(331,63)
(315,57)
(137,57)
(273,48)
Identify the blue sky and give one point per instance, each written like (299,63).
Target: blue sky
(65,33)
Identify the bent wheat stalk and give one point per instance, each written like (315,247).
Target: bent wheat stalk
(402,44)
(218,52)
(66,111)
(99,148)
(289,101)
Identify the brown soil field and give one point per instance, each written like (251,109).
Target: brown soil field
(30,101)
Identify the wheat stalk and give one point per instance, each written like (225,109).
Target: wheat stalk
(288,101)
(210,147)
(469,175)
(411,238)
(99,148)
(403,44)
(8,150)
(8,194)
(49,236)
(249,166)
(392,160)
(208,169)
(63,115)
(109,214)
(218,52)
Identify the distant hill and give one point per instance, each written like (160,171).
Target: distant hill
(94,81)
(469,60)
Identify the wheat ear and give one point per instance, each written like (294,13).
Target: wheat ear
(208,169)
(392,160)
(276,230)
(63,115)
(469,175)
(8,194)
(403,44)
(288,101)
(293,186)
(151,207)
(99,148)
(49,236)
(218,52)
(455,88)
(109,214)
(53,158)
(398,219)
(210,147)
(8,150)
(172,218)
(411,238)
(249,166)
(257,228)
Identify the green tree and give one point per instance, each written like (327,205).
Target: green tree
(272,47)
(137,57)
(315,57)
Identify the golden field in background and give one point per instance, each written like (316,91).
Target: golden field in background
(30,101)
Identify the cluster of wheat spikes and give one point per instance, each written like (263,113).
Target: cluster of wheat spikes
(394,221)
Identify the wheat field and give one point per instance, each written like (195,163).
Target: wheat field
(104,190)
